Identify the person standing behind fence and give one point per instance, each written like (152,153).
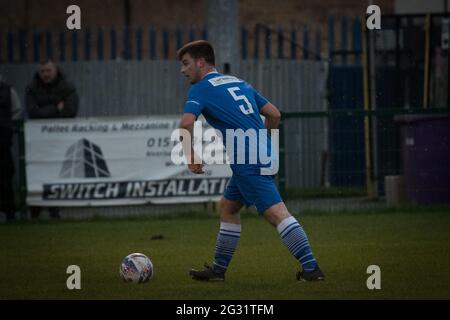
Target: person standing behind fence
(10,109)
(50,95)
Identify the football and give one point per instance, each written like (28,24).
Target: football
(136,268)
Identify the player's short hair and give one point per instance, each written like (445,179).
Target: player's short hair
(198,49)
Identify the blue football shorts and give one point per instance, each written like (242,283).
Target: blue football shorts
(256,190)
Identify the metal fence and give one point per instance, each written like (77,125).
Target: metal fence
(333,175)
(324,146)
(339,41)
(157,87)
(412,152)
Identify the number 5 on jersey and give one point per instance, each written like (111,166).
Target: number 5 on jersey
(240,98)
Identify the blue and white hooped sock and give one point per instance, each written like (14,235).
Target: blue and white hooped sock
(296,241)
(227,241)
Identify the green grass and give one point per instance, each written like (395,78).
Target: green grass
(412,250)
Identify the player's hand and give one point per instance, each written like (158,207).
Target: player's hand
(196,168)
(196,165)
(60,105)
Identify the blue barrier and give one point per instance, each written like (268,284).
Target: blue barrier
(100,55)
(256,42)
(152,44)
(37,46)
(293,44)
(305,43)
(139,44)
(74,39)
(87,45)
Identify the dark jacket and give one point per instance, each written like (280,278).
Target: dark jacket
(42,99)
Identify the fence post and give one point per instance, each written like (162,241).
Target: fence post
(139,44)
(331,38)
(244,43)
(305,43)
(267,43)
(344,37)
(37,46)
(293,44)
(224,33)
(357,40)
(178,38)
(62,46)
(281,168)
(256,43)
(22,171)
(10,46)
(126,43)
(191,34)
(49,44)
(165,44)
(367,133)
(427,62)
(74,38)
(100,55)
(87,45)
(22,45)
(318,45)
(152,44)
(113,40)
(280,43)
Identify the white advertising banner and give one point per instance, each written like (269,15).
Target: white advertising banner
(112,161)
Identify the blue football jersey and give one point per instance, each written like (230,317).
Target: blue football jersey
(229,105)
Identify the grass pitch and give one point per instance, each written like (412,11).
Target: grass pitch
(412,250)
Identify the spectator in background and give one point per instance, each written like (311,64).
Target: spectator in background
(50,95)
(10,109)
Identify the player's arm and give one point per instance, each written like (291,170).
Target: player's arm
(187,123)
(272,115)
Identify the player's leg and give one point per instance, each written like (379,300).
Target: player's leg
(261,191)
(227,237)
(226,242)
(295,239)
(229,211)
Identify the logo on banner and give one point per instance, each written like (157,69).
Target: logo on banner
(84,159)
